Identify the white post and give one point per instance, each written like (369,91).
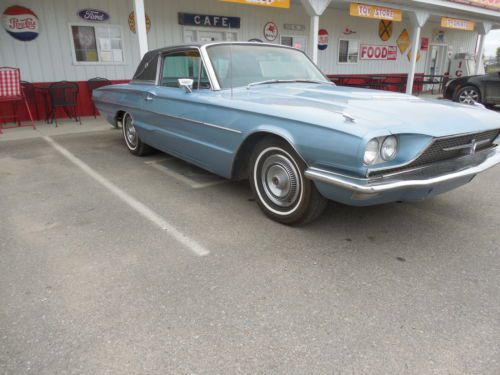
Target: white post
(479,55)
(314,38)
(418,18)
(140,26)
(413,63)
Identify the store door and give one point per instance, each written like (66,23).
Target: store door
(437,59)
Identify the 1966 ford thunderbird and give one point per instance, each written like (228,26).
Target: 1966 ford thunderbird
(266,113)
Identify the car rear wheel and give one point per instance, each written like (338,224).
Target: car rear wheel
(277,180)
(468,95)
(132,140)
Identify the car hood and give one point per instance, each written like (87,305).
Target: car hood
(362,111)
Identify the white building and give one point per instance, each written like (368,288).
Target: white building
(72,42)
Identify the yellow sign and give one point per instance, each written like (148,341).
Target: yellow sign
(403,41)
(457,24)
(385,30)
(409,55)
(264,3)
(370,11)
(131,22)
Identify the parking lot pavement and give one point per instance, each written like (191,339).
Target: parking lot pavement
(92,284)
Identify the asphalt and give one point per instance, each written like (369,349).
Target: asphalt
(90,286)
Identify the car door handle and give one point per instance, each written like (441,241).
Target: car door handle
(148,97)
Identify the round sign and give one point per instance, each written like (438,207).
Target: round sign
(21,23)
(322,39)
(270,31)
(131,22)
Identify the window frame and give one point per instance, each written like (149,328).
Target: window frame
(94,25)
(338,52)
(162,57)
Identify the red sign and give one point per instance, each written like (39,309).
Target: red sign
(373,52)
(322,39)
(424,44)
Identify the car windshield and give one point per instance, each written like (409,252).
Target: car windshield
(253,64)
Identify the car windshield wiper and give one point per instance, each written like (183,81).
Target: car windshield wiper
(269,81)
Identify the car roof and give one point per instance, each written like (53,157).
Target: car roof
(198,45)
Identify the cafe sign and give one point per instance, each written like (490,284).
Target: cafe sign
(93,15)
(375,12)
(378,52)
(206,20)
(457,24)
(264,3)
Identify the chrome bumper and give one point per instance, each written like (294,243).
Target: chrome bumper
(421,178)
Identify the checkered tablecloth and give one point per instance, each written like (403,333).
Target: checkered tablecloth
(10,83)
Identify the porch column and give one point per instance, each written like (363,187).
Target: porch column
(314,9)
(140,26)
(483,29)
(419,18)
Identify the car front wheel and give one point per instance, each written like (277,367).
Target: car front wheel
(132,140)
(277,180)
(468,95)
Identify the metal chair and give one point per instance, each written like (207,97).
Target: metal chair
(64,95)
(30,94)
(12,92)
(95,83)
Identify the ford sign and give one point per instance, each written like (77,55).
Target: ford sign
(93,15)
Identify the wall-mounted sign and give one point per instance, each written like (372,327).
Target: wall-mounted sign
(371,11)
(438,36)
(21,23)
(270,31)
(374,52)
(322,39)
(131,22)
(403,41)
(93,15)
(348,31)
(207,20)
(294,27)
(385,30)
(264,3)
(457,24)
(424,44)
(409,55)
(490,4)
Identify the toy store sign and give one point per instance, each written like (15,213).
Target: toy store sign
(21,23)
(207,20)
(374,52)
(93,15)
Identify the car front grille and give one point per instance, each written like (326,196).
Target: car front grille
(445,149)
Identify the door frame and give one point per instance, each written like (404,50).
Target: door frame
(429,57)
(196,29)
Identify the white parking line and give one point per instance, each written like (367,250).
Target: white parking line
(142,209)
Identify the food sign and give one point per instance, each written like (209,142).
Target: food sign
(376,52)
(21,23)
(457,24)
(375,12)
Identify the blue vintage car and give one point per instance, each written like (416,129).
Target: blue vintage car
(266,113)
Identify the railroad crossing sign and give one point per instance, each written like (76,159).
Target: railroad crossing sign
(385,30)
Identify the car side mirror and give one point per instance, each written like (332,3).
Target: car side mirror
(186,84)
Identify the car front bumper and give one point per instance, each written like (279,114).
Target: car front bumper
(408,185)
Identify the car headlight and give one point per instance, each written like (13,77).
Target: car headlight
(371,151)
(381,149)
(389,148)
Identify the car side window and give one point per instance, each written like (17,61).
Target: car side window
(185,64)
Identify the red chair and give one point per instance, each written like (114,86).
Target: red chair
(11,91)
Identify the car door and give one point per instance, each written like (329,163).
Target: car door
(492,88)
(179,117)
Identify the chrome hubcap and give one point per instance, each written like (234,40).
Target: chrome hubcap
(130,132)
(469,97)
(280,180)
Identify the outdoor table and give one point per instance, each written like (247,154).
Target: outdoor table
(43,90)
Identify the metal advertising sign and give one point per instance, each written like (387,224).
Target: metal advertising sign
(375,12)
(385,30)
(457,24)
(270,31)
(489,4)
(93,15)
(207,20)
(374,52)
(264,3)
(322,39)
(21,23)
(131,22)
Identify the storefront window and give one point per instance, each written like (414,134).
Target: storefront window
(97,44)
(348,51)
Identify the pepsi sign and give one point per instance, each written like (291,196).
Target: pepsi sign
(21,23)
(93,15)
(322,39)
